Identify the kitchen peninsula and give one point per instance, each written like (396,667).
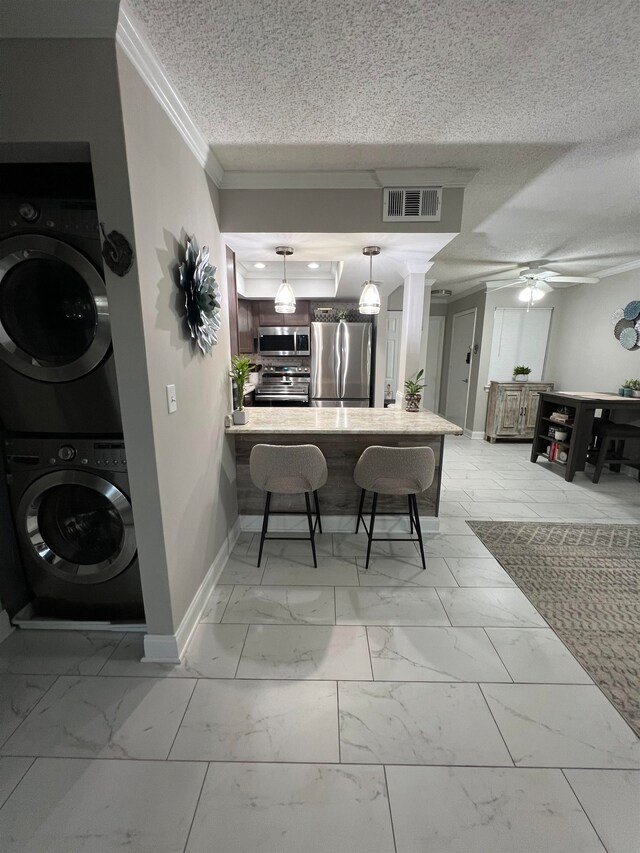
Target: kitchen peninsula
(342,434)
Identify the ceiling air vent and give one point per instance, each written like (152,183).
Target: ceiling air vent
(421,204)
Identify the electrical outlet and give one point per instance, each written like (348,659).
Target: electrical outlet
(172,402)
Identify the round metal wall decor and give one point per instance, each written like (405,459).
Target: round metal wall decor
(629,338)
(201,296)
(632,310)
(620,326)
(617,315)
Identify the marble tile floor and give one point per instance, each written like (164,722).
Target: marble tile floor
(335,709)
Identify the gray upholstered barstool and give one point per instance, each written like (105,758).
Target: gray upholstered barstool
(394,471)
(289,470)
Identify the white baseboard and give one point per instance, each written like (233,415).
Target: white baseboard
(297,524)
(475,433)
(6,627)
(169,648)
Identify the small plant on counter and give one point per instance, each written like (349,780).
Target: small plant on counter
(412,388)
(632,388)
(241,367)
(521,372)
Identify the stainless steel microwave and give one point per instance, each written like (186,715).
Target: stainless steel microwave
(283,340)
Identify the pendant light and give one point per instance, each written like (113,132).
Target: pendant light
(285,300)
(370,296)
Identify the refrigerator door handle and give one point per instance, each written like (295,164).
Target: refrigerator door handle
(339,359)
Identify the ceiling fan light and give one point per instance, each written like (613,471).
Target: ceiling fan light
(285,299)
(370,298)
(530,294)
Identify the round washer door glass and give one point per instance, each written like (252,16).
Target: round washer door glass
(79,525)
(54,318)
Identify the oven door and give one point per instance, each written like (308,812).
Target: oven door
(54,315)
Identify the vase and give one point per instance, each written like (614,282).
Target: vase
(413,402)
(621,392)
(628,392)
(636,393)
(520,377)
(240,417)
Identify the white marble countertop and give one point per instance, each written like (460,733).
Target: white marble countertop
(338,420)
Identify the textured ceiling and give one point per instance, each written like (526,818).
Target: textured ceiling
(541,96)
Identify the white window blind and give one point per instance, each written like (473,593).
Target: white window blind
(519,337)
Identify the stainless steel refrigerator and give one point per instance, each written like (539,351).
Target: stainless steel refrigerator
(341,364)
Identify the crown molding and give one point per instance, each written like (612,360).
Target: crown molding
(630,265)
(141,55)
(362,179)
(31,19)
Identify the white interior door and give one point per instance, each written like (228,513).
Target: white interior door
(462,334)
(433,364)
(392,354)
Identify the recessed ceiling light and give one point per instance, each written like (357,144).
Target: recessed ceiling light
(313,266)
(259,265)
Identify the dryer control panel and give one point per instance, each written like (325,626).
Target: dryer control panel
(104,454)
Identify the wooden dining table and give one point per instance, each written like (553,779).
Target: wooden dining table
(584,405)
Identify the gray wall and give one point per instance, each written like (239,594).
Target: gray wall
(583,354)
(331,210)
(172,198)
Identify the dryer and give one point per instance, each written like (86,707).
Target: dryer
(72,513)
(56,363)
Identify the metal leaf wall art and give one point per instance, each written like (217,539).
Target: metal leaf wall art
(201,296)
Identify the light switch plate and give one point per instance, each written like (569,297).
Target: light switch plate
(172,402)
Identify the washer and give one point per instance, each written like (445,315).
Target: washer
(56,363)
(74,523)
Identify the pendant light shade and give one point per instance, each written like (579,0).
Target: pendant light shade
(530,294)
(285,299)
(370,296)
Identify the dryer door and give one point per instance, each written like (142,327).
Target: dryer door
(54,314)
(78,525)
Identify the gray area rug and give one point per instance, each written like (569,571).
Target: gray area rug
(585,580)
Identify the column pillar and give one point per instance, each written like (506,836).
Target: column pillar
(413,307)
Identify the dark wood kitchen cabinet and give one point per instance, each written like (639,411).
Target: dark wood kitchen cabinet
(267,315)
(247,326)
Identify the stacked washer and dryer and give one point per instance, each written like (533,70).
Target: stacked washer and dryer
(64,452)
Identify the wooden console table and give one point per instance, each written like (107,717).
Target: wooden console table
(584,406)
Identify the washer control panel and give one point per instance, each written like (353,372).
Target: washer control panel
(103,454)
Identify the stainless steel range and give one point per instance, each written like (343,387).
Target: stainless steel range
(283,386)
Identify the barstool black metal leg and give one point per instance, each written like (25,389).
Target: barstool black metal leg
(418,530)
(371,525)
(360,508)
(317,503)
(265,524)
(410,515)
(311,532)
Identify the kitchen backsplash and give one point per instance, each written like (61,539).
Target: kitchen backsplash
(327,312)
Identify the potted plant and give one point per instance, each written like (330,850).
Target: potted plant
(241,367)
(521,373)
(412,388)
(634,384)
(627,388)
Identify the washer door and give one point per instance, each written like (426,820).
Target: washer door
(78,525)
(54,314)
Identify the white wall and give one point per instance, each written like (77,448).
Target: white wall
(583,354)
(507,298)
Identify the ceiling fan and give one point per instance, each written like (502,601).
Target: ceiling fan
(536,280)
